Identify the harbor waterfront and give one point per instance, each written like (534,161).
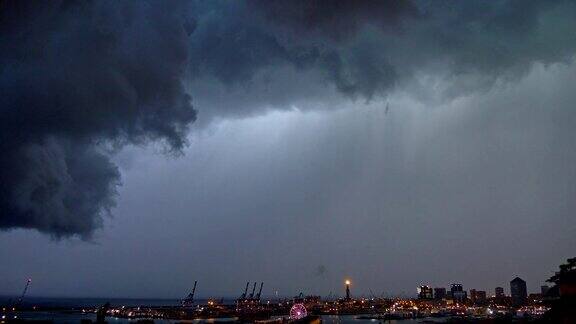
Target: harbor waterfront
(207,311)
(67,318)
(430,306)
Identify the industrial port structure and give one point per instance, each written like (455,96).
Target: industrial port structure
(251,308)
(430,302)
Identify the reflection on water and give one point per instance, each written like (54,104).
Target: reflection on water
(79,303)
(69,318)
(345,319)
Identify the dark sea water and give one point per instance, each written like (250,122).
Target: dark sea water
(327,319)
(91,302)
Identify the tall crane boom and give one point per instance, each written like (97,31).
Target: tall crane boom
(245,290)
(253,290)
(194,289)
(260,291)
(24,291)
(189,300)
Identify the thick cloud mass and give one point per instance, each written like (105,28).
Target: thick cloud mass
(79,78)
(369,48)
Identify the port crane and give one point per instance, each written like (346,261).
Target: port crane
(189,300)
(245,291)
(23,292)
(259,291)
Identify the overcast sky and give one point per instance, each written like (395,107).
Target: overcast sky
(147,145)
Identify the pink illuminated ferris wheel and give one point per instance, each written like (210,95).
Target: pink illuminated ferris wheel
(298,311)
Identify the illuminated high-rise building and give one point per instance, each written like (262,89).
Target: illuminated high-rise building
(425,292)
(458,293)
(518,292)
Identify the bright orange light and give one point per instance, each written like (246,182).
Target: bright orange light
(347,282)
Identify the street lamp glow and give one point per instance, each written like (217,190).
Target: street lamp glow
(347,282)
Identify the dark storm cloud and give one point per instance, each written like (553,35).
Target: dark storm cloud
(75,79)
(78,78)
(337,20)
(247,55)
